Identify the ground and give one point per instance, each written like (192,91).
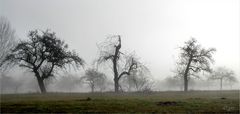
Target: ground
(155,102)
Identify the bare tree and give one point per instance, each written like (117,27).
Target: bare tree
(139,79)
(43,53)
(221,74)
(94,79)
(194,59)
(232,80)
(122,64)
(7,41)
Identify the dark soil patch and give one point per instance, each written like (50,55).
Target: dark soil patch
(168,103)
(87,99)
(223,98)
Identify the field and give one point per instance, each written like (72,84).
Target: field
(156,102)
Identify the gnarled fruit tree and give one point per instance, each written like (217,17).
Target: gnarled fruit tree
(122,64)
(43,53)
(193,59)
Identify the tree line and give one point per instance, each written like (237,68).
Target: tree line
(44,54)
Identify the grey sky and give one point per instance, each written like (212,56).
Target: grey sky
(152,28)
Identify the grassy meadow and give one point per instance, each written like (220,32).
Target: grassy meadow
(155,102)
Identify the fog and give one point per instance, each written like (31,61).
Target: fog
(25,82)
(153,29)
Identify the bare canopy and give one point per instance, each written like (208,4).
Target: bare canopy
(223,74)
(43,53)
(194,59)
(122,64)
(7,40)
(94,79)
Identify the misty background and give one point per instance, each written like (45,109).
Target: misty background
(153,29)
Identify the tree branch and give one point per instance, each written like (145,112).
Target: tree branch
(129,70)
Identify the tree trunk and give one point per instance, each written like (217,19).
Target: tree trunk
(116,84)
(186,79)
(185,83)
(40,82)
(92,88)
(186,75)
(41,85)
(221,84)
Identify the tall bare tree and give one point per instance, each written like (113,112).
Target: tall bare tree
(221,74)
(110,51)
(7,41)
(194,59)
(43,53)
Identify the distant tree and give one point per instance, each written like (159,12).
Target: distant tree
(94,79)
(122,64)
(7,41)
(138,79)
(43,53)
(221,74)
(231,81)
(194,58)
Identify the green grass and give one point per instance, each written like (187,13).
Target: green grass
(180,102)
